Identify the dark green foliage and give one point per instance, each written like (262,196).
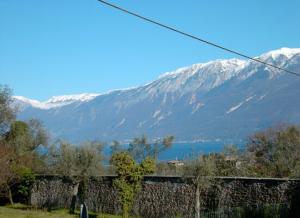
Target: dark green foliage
(18,129)
(82,189)
(26,137)
(27,178)
(19,137)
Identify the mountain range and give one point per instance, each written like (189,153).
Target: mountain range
(221,100)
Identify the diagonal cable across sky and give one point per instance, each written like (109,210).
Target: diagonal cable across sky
(196,38)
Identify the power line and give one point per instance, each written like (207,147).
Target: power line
(197,38)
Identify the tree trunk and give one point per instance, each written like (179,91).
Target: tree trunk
(125,211)
(73,202)
(197,205)
(11,201)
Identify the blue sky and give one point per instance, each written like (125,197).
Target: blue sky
(67,47)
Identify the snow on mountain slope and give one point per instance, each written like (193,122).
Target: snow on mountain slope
(224,99)
(57,101)
(286,52)
(24,102)
(204,76)
(199,76)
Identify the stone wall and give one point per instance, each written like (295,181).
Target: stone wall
(167,196)
(51,192)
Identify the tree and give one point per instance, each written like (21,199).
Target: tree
(71,160)
(287,154)
(202,171)
(27,178)
(229,162)
(274,152)
(7,174)
(39,135)
(7,114)
(28,136)
(18,147)
(115,147)
(77,163)
(129,177)
(19,154)
(140,148)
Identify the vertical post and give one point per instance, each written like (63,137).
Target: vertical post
(73,202)
(10,196)
(84,211)
(197,204)
(81,210)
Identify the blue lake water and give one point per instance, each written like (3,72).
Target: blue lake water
(185,150)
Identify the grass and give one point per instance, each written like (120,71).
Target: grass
(24,211)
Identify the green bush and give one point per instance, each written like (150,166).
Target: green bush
(129,177)
(27,178)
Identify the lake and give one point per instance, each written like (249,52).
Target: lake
(182,151)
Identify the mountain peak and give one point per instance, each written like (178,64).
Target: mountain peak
(202,76)
(287,52)
(219,63)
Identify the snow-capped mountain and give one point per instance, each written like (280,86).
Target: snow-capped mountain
(222,99)
(55,101)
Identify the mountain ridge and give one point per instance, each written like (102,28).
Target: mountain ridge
(200,102)
(288,52)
